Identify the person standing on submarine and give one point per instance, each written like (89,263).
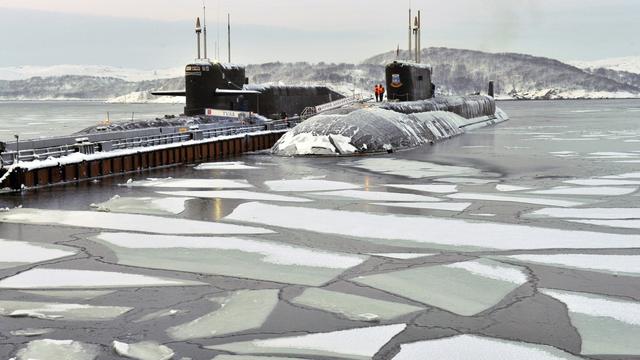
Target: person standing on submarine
(376,91)
(381,92)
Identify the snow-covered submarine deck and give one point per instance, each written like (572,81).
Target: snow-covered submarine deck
(388,127)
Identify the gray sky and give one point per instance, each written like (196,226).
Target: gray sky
(159,33)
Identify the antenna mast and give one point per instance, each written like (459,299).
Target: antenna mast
(410,32)
(229,36)
(204,18)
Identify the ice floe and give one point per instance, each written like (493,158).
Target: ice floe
(516,199)
(50,311)
(589,213)
(58,349)
(353,307)
(431,188)
(229,165)
(40,278)
(444,206)
(632,175)
(143,205)
(159,315)
(192,183)
(464,347)
(427,232)
(376,195)
(509,188)
(235,194)
(309,185)
(466,180)
(70,294)
(589,191)
(146,350)
(623,224)
(602,182)
(616,264)
(402,256)
(249,357)
(359,344)
(16,253)
(607,325)
(247,258)
(240,311)
(28,332)
(465,288)
(126,222)
(411,168)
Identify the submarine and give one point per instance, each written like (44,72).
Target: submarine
(224,86)
(412,116)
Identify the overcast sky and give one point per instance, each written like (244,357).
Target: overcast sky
(159,33)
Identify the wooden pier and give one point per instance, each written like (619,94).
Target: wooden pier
(141,159)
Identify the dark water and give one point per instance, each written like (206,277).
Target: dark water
(542,146)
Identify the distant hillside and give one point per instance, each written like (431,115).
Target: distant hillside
(456,71)
(630,64)
(516,75)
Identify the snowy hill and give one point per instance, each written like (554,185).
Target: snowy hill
(518,76)
(456,71)
(629,64)
(28,71)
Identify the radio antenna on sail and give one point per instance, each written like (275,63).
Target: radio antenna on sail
(204,19)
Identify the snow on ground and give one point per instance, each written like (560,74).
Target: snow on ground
(230,165)
(359,344)
(353,307)
(615,264)
(509,188)
(69,294)
(432,188)
(606,325)
(235,194)
(309,185)
(628,63)
(589,191)
(409,231)
(15,253)
(143,205)
(192,183)
(245,258)
(125,222)
(411,168)
(146,350)
(58,349)
(375,195)
(68,312)
(465,347)
(145,97)
(589,213)
(465,288)
(40,278)
(240,311)
(516,199)
(449,206)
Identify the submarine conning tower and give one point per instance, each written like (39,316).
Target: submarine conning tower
(408,81)
(203,78)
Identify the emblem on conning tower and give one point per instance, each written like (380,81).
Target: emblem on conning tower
(395,80)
